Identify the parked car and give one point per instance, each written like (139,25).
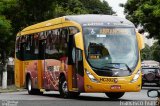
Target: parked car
(150,72)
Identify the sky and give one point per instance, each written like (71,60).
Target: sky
(115,6)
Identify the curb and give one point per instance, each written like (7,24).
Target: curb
(11,90)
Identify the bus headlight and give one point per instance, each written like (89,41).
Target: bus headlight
(91,77)
(136,76)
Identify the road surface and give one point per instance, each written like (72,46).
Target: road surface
(85,99)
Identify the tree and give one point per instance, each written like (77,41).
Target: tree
(145,13)
(155,51)
(151,53)
(5,46)
(69,7)
(23,13)
(97,7)
(6,39)
(146,53)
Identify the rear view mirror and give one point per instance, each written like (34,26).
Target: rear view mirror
(153,93)
(140,41)
(79,41)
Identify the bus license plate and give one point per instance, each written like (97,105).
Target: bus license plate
(115,87)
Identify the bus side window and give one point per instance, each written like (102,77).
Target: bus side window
(17,49)
(24,43)
(22,47)
(63,42)
(28,44)
(48,45)
(32,44)
(57,43)
(42,45)
(52,45)
(27,54)
(35,43)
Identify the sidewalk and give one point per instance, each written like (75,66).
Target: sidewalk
(11,88)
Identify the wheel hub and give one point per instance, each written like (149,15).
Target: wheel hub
(64,87)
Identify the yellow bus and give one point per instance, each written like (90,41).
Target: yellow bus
(79,53)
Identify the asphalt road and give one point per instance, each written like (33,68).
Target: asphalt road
(85,99)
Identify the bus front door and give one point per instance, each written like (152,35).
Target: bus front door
(74,69)
(75,72)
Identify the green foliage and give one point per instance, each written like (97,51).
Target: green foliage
(4,28)
(11,10)
(97,7)
(19,14)
(23,13)
(6,31)
(151,53)
(69,7)
(155,51)
(6,42)
(146,53)
(145,13)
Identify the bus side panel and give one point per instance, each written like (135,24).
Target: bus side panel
(19,73)
(69,77)
(31,68)
(39,73)
(51,73)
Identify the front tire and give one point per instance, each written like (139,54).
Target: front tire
(63,89)
(114,95)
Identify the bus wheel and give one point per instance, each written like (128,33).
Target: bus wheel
(63,90)
(114,95)
(30,89)
(29,86)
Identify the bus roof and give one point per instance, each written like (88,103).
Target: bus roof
(93,18)
(44,24)
(82,19)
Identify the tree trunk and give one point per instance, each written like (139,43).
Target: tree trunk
(4,67)
(4,78)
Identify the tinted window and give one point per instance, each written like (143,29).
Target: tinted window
(52,44)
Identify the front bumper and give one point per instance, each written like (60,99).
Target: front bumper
(106,87)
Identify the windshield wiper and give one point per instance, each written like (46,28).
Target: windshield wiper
(128,67)
(118,68)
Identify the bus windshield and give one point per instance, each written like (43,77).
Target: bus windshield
(107,46)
